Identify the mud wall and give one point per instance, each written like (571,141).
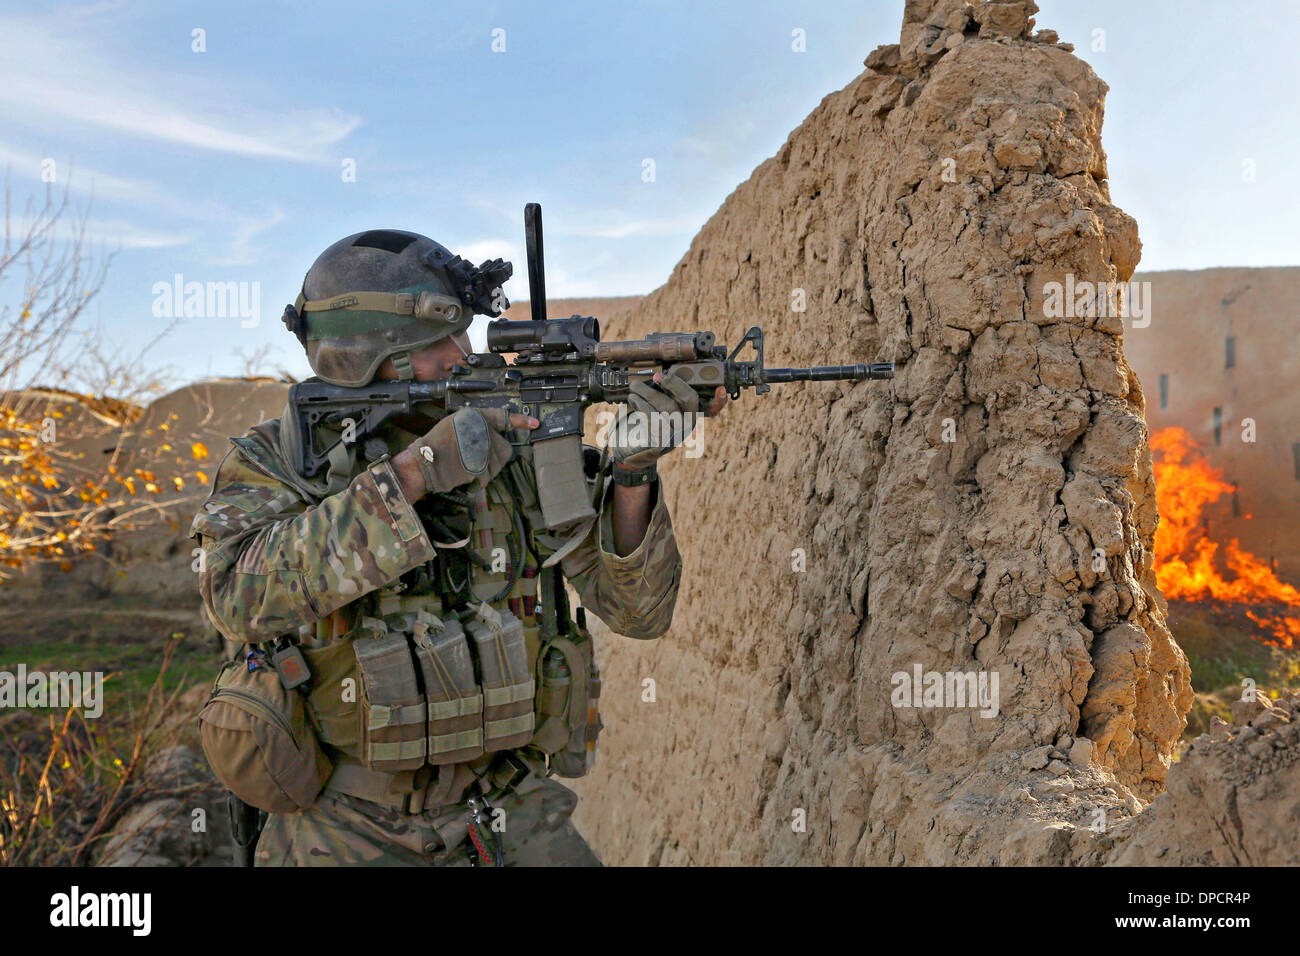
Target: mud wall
(990,511)
(1182,360)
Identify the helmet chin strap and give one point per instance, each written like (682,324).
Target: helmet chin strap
(406,370)
(402,362)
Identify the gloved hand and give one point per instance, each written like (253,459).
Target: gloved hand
(466,447)
(658,417)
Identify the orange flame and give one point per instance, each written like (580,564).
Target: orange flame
(1185,556)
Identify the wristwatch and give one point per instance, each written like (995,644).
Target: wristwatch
(631,478)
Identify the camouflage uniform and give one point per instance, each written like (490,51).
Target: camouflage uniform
(342,830)
(278,557)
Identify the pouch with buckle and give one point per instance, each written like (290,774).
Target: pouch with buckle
(568,698)
(393,712)
(507,686)
(455,700)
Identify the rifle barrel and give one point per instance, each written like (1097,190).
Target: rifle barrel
(830,373)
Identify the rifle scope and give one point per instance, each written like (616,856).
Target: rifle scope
(578,333)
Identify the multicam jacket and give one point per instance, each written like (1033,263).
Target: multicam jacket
(279,558)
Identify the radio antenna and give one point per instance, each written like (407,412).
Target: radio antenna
(536,267)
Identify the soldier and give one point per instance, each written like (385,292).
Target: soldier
(421,549)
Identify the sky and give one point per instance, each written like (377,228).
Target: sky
(232,142)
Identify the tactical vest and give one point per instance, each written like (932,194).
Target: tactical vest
(403,678)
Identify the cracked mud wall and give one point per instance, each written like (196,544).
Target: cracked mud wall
(921,209)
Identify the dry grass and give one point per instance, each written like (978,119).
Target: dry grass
(60,798)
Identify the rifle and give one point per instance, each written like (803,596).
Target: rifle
(560,367)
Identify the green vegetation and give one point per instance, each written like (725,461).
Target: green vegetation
(65,780)
(1224,647)
(130,670)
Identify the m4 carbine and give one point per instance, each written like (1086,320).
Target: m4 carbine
(560,367)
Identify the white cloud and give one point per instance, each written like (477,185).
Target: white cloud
(90,9)
(241,251)
(728,134)
(130,236)
(48,73)
(113,233)
(476,252)
(88,182)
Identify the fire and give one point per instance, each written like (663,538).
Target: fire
(1185,557)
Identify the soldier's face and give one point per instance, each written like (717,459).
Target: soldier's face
(435,361)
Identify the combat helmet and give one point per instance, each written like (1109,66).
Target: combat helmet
(384,294)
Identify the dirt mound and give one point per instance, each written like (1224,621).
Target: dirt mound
(1234,797)
(163,459)
(162,831)
(113,411)
(601,308)
(990,512)
(83,429)
(176,445)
